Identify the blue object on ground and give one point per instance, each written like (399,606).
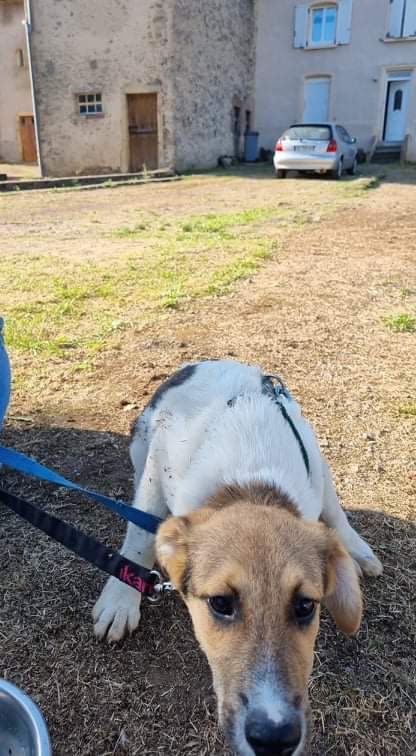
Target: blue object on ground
(251,146)
(5,377)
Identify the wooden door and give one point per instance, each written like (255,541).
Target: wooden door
(143,135)
(27,138)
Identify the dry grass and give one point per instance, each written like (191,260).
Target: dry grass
(314,310)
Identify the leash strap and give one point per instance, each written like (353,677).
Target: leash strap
(24,464)
(95,552)
(296,435)
(276,393)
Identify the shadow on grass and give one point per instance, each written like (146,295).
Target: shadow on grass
(96,698)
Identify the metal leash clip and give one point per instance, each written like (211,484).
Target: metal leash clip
(277,378)
(279,387)
(160,587)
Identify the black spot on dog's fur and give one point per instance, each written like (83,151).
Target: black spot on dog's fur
(177,379)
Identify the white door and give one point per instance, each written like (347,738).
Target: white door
(316,105)
(396,114)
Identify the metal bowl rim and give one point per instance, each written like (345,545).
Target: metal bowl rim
(33,715)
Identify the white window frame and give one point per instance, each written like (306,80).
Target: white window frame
(90,104)
(324,7)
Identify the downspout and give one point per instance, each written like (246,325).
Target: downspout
(27,23)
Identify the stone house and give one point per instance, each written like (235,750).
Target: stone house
(17,133)
(122,83)
(112,85)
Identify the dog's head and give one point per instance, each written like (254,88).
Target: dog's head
(254,578)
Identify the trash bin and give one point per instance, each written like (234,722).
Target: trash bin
(251,139)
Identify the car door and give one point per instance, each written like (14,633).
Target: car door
(348,146)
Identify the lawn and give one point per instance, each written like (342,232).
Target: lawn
(74,289)
(105,293)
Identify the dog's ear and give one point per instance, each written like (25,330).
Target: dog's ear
(343,594)
(172,546)
(172,549)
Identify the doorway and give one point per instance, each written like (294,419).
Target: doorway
(143,131)
(237,131)
(396,109)
(27,138)
(316,102)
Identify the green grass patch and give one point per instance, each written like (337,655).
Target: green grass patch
(407,410)
(71,308)
(401,322)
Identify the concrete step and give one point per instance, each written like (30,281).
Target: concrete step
(387,152)
(89,182)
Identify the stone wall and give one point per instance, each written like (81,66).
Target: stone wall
(112,47)
(214,45)
(197,56)
(15,95)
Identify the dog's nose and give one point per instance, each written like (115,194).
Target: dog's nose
(270,739)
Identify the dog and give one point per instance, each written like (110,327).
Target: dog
(257,543)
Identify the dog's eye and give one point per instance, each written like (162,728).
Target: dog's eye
(304,609)
(222,606)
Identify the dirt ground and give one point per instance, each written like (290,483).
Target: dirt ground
(20,170)
(314,312)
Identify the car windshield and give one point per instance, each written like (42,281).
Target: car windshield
(319,133)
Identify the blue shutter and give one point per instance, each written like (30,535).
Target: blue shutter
(344,17)
(396,17)
(300,36)
(410,19)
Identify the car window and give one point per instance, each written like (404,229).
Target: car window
(343,133)
(317,132)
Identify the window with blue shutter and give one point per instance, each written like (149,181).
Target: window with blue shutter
(322,24)
(402,21)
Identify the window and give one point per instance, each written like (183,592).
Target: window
(344,135)
(398,99)
(20,58)
(402,21)
(323,25)
(316,99)
(317,132)
(90,104)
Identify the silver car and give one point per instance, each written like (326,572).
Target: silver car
(320,147)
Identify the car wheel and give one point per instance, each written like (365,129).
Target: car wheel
(353,170)
(337,172)
(280,173)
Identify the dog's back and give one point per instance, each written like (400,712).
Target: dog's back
(214,421)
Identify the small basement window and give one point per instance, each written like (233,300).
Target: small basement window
(90,104)
(20,58)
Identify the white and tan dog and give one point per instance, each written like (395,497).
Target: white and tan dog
(257,543)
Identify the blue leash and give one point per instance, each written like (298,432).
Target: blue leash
(28,466)
(24,464)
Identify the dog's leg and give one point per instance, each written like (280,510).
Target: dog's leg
(334,516)
(117,611)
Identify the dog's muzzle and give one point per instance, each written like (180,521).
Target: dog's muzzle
(267,738)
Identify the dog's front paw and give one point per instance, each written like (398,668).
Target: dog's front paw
(117,611)
(370,565)
(365,559)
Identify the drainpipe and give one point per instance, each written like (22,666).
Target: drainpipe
(27,23)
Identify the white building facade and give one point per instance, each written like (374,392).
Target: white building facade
(350,61)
